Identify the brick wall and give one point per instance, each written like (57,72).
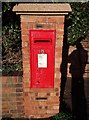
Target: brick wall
(12,97)
(49,106)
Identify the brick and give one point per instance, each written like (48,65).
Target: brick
(26,77)
(25,50)
(26,73)
(51,19)
(18,85)
(13,111)
(20,79)
(41,19)
(60,27)
(27,102)
(26,84)
(40,90)
(42,112)
(19,94)
(56,19)
(58,56)
(56,89)
(55,107)
(57,60)
(60,37)
(25,18)
(19,90)
(20,110)
(55,98)
(32,111)
(57,75)
(42,103)
(48,26)
(57,84)
(24,26)
(25,57)
(61,30)
(52,111)
(59,42)
(11,85)
(19,98)
(25,94)
(25,44)
(25,37)
(42,94)
(9,80)
(25,32)
(58,50)
(31,26)
(32,19)
(53,102)
(58,32)
(26,69)
(48,94)
(52,94)
(26,90)
(57,69)
(57,94)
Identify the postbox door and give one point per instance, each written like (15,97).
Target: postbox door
(42,65)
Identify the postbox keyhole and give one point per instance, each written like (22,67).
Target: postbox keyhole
(42,51)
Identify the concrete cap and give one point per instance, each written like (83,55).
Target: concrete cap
(30,8)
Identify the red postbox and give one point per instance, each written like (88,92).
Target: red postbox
(42,58)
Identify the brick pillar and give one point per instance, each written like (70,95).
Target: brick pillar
(39,20)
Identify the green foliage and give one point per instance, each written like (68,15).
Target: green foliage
(78,21)
(62,116)
(8,68)
(11,40)
(6,7)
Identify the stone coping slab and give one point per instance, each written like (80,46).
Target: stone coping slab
(30,8)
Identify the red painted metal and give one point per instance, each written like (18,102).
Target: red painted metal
(42,42)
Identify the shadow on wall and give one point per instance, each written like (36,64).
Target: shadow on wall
(77,59)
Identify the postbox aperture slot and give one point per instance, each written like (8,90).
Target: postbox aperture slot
(42,41)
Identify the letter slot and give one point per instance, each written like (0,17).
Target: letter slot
(42,41)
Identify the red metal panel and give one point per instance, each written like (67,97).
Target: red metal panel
(42,44)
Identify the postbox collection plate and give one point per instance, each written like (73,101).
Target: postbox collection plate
(42,60)
(42,56)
